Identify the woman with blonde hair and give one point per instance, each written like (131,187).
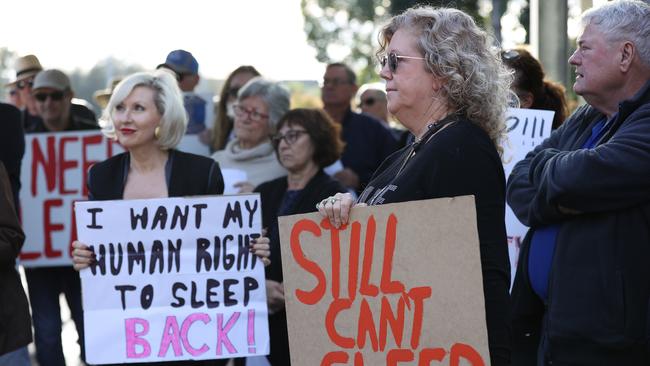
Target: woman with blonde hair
(146,116)
(448,87)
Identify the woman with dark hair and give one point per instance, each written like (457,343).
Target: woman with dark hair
(307,141)
(223,125)
(532,89)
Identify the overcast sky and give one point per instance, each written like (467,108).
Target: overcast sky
(69,34)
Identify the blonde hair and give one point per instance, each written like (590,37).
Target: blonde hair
(167,98)
(476,83)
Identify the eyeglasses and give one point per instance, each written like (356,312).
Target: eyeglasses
(22,84)
(392,60)
(252,114)
(368,101)
(290,137)
(55,96)
(510,55)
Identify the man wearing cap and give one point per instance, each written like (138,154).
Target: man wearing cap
(186,69)
(26,69)
(53,98)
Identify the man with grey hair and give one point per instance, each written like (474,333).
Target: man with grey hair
(582,291)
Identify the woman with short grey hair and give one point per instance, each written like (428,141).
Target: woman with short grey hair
(260,105)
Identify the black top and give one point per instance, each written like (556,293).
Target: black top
(273,194)
(459,160)
(15,329)
(12,146)
(191,175)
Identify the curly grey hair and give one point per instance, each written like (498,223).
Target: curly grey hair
(276,97)
(627,20)
(476,83)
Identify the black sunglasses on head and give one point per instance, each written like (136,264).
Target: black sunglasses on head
(55,96)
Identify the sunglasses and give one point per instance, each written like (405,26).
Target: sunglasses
(290,137)
(392,59)
(510,55)
(253,115)
(369,102)
(55,96)
(22,84)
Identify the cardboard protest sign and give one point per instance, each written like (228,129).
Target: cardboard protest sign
(53,176)
(174,279)
(527,128)
(401,283)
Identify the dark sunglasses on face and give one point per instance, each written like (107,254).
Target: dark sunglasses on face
(290,137)
(55,96)
(392,59)
(24,83)
(369,102)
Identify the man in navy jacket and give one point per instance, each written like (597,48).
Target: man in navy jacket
(582,291)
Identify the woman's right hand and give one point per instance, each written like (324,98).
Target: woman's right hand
(336,208)
(82,257)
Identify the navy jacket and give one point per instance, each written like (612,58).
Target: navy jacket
(367,144)
(599,287)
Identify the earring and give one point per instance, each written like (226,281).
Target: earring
(156,133)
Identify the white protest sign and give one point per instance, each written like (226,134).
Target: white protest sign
(53,176)
(230,178)
(527,128)
(174,279)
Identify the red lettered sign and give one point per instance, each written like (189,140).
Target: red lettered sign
(53,176)
(401,284)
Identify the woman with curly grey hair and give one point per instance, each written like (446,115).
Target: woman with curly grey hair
(448,86)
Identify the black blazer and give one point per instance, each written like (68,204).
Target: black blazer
(191,175)
(15,322)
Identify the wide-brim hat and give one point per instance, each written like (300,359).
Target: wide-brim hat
(26,67)
(102,96)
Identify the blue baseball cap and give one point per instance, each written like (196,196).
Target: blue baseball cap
(181,62)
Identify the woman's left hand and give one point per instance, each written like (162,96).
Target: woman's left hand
(244,187)
(262,249)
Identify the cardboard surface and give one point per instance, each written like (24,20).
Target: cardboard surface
(415,296)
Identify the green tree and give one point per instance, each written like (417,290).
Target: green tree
(346,30)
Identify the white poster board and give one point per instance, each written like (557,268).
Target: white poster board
(174,279)
(527,128)
(53,176)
